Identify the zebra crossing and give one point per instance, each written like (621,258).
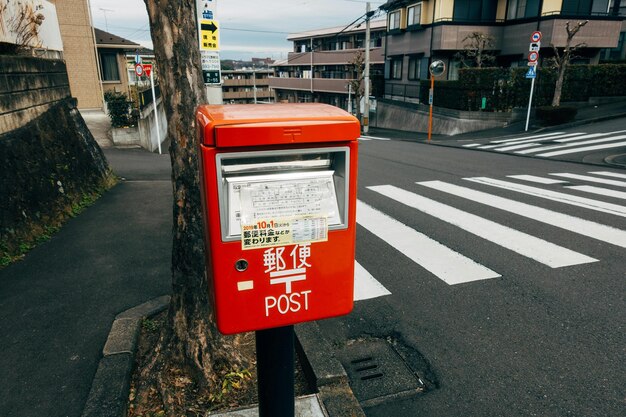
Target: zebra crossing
(553,144)
(455,268)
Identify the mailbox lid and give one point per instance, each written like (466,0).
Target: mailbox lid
(238,125)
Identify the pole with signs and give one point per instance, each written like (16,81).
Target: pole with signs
(533,59)
(150,73)
(436,69)
(209,40)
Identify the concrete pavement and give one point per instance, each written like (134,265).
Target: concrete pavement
(58,304)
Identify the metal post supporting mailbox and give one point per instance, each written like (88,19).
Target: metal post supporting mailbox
(279,202)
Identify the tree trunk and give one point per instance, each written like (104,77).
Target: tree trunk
(189,341)
(558,88)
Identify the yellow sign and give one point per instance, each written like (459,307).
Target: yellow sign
(209,35)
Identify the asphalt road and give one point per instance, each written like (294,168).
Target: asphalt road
(531,325)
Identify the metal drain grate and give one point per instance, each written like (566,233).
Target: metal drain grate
(377,371)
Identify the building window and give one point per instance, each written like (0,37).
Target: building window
(475,10)
(585,7)
(414,15)
(108,65)
(396,69)
(394,20)
(414,68)
(519,9)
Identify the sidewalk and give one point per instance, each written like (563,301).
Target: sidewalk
(586,114)
(57,305)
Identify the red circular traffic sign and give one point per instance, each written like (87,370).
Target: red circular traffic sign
(535,37)
(139,70)
(533,56)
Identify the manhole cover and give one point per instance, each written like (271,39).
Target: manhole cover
(376,371)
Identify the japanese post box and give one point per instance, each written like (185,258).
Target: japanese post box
(279,199)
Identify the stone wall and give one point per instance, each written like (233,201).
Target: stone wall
(49,161)
(28,88)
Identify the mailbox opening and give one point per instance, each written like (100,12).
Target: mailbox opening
(315,181)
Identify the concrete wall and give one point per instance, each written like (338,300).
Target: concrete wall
(28,88)
(414,118)
(147,132)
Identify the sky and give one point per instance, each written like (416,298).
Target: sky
(249,28)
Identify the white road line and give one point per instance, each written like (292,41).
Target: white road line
(573,145)
(527,137)
(471,145)
(362,138)
(373,137)
(598,190)
(513,147)
(572,200)
(539,180)
(365,285)
(592,135)
(573,224)
(443,262)
(609,174)
(591,179)
(526,245)
(584,149)
(531,139)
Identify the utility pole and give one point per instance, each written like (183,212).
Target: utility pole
(366,78)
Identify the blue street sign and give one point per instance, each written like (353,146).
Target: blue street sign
(532,73)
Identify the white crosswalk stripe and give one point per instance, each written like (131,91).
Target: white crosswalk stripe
(573,200)
(598,190)
(524,244)
(441,261)
(453,267)
(553,144)
(573,224)
(539,180)
(590,179)
(578,145)
(366,286)
(364,137)
(609,174)
(531,139)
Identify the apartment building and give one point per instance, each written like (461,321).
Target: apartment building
(319,69)
(419,32)
(79,52)
(243,86)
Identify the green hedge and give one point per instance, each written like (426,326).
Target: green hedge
(505,88)
(120,109)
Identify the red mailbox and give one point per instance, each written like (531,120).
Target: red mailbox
(279,201)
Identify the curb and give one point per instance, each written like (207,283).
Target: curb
(108,396)
(329,375)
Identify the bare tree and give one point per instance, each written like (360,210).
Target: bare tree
(477,50)
(562,59)
(358,66)
(190,350)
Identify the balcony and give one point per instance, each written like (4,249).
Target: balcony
(327,85)
(340,57)
(245,82)
(260,94)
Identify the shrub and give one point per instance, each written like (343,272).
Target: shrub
(550,116)
(120,109)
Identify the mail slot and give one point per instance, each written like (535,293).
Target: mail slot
(279,201)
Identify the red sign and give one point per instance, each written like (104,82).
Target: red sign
(147,69)
(533,56)
(139,70)
(279,202)
(535,37)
